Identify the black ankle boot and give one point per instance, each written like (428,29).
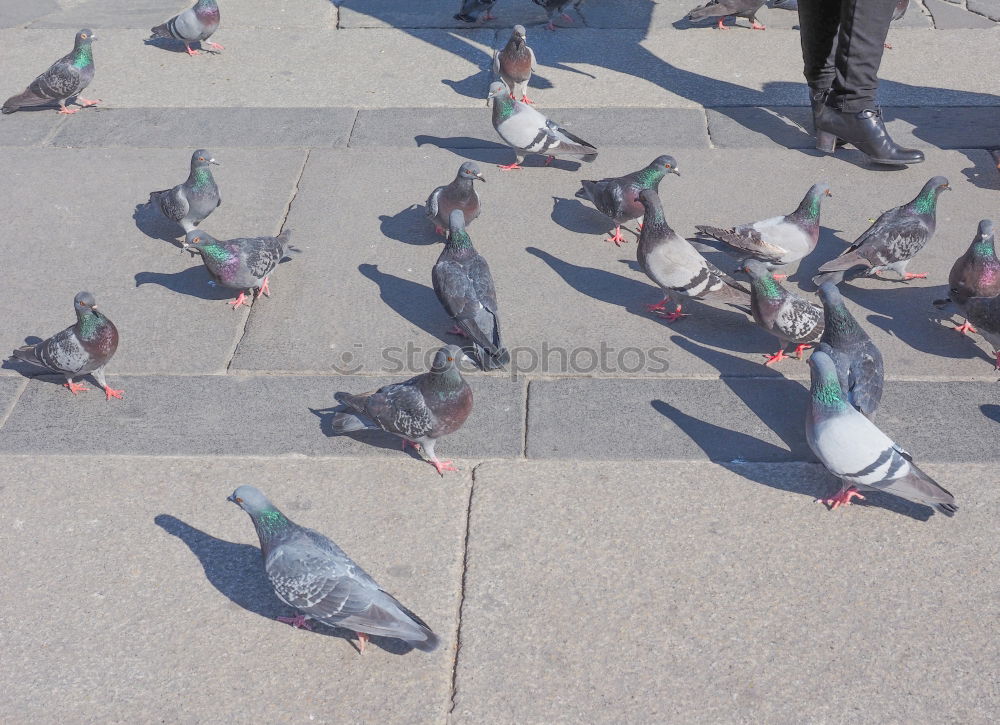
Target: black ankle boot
(866,131)
(818,100)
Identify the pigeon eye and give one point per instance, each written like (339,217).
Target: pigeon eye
(239,500)
(451,359)
(201,158)
(83,35)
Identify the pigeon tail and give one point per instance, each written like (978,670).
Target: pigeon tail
(588,190)
(349,423)
(28,354)
(24,99)
(161,31)
(835,277)
(845,262)
(493,360)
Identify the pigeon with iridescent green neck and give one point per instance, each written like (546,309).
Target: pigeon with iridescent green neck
(784,314)
(190,203)
(242,264)
(314,575)
(459,194)
(854,450)
(977,272)
(64,79)
(618,197)
(893,240)
(195,24)
(779,240)
(84,348)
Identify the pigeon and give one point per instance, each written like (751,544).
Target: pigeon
(618,198)
(859,363)
(86,347)
(721,8)
(528,131)
(459,194)
(900,10)
(314,575)
(190,203)
(463,283)
(984,313)
(977,272)
(472,9)
(893,240)
(857,452)
(782,313)
(514,63)
(557,7)
(64,79)
(241,264)
(780,240)
(419,410)
(677,267)
(197,23)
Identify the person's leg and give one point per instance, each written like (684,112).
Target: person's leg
(864,25)
(819,24)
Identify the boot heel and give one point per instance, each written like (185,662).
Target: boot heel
(825,141)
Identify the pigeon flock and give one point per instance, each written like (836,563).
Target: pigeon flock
(311,573)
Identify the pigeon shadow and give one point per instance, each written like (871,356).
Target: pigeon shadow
(474,149)
(372,437)
(984,172)
(410,226)
(991,411)
(176,46)
(153,224)
(413,302)
(575,216)
(193,281)
(237,572)
(473,86)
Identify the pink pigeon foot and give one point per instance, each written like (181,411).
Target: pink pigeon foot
(910,275)
(566,17)
(75,387)
(241,300)
(442,466)
(489,16)
(509,167)
(721,26)
(299,621)
(549,160)
(776,357)
(965,327)
(525,99)
(86,102)
(214,46)
(757,26)
(617,238)
(456,330)
(780,277)
(410,444)
(886,46)
(659,306)
(673,316)
(440,230)
(551,26)
(362,641)
(110,393)
(799,349)
(264,289)
(843,498)
(68,111)
(996,365)
(190,50)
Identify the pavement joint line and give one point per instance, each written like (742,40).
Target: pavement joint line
(51,135)
(527,404)
(13,402)
(708,128)
(350,135)
(461,591)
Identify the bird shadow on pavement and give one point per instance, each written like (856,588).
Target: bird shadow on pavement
(193,281)
(473,86)
(991,411)
(177,46)
(575,216)
(152,223)
(474,149)
(410,225)
(414,302)
(371,437)
(236,571)
(983,172)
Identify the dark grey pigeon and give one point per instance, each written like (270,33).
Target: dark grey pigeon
(677,267)
(893,240)
(977,272)
(84,348)
(463,283)
(195,24)
(514,63)
(64,79)
(784,314)
(557,7)
(472,9)
(618,198)
(859,363)
(722,8)
(984,313)
(780,240)
(190,203)
(243,264)
(459,194)
(419,410)
(314,575)
(854,450)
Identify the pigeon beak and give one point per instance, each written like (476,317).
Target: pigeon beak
(481,178)
(828,192)
(675,171)
(214,162)
(230,498)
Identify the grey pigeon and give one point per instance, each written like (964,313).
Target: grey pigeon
(784,314)
(984,313)
(857,452)
(459,194)
(464,285)
(242,264)
(190,203)
(859,363)
(195,24)
(64,79)
(677,267)
(977,272)
(419,410)
(528,131)
(893,240)
(780,240)
(557,7)
(472,9)
(900,10)
(314,575)
(618,198)
(514,63)
(86,347)
(721,8)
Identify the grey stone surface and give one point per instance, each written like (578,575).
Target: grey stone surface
(20,12)
(752,419)
(251,127)
(688,593)
(363,14)
(950,17)
(988,8)
(471,127)
(243,416)
(28,128)
(147,552)
(10,391)
(144,14)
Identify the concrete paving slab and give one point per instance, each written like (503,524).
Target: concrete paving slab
(364,14)
(987,8)
(252,127)
(691,593)
(10,391)
(952,17)
(151,555)
(81,217)
(14,13)
(29,128)
(243,416)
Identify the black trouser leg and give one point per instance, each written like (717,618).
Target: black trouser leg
(863,27)
(819,24)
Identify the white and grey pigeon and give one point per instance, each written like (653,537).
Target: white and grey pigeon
(790,318)
(464,285)
(190,203)
(514,63)
(780,240)
(471,10)
(722,8)
(527,131)
(196,24)
(419,410)
(83,348)
(857,452)
(977,272)
(64,79)
(859,363)
(459,194)
(677,267)
(557,8)
(893,240)
(245,263)
(314,575)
